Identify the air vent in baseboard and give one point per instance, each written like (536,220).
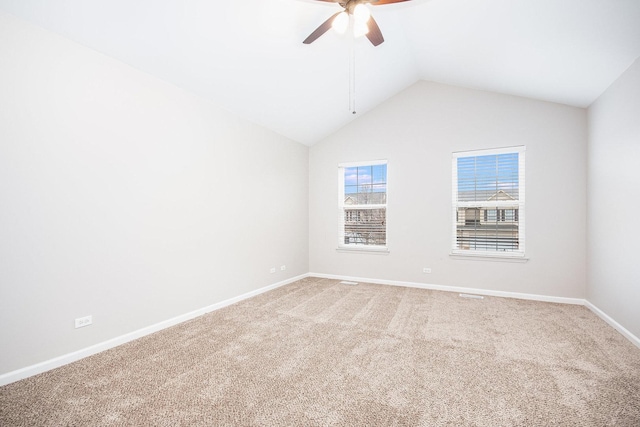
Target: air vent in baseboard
(471,296)
(346,282)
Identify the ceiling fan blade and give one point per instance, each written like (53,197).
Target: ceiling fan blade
(374,35)
(380,2)
(321,29)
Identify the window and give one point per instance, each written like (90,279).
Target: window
(488,202)
(362,215)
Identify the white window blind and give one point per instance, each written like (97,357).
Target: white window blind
(489,202)
(362,214)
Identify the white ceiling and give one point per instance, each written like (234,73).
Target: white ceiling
(247,55)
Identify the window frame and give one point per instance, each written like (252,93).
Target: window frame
(355,247)
(519,215)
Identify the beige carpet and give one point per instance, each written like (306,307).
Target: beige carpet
(317,352)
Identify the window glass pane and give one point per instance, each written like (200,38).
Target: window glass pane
(351,176)
(379,173)
(481,181)
(364,186)
(365,226)
(491,177)
(364,175)
(487,229)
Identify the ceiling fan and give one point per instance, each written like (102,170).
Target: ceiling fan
(360,17)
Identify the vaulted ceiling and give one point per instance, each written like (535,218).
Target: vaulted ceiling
(247,56)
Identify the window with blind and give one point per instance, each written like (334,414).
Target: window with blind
(362,215)
(488,202)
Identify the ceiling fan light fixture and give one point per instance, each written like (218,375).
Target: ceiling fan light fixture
(341,22)
(356,16)
(361,13)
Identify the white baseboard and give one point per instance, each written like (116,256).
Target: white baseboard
(615,325)
(65,359)
(534,297)
(562,300)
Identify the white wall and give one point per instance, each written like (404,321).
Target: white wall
(126,198)
(613,271)
(417,131)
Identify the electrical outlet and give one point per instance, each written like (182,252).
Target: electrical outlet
(283,267)
(273,270)
(83,321)
(426,270)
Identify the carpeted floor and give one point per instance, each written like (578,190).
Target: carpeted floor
(317,352)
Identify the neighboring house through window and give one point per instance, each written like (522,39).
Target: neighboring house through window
(362,215)
(488,202)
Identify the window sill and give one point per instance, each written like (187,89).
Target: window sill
(488,257)
(376,250)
